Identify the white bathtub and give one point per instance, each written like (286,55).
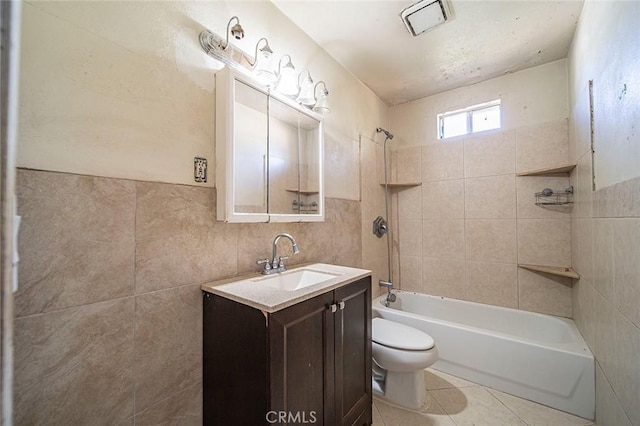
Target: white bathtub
(534,356)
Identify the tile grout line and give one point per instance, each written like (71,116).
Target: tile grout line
(433,399)
(504,405)
(375,408)
(135,302)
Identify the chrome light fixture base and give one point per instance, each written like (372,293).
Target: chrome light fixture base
(213,45)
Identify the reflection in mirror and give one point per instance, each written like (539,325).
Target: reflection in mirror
(250,150)
(284,179)
(309,179)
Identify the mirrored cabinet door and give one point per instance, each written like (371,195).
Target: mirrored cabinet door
(269,153)
(284,171)
(250,127)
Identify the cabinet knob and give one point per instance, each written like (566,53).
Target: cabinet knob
(341,304)
(333,307)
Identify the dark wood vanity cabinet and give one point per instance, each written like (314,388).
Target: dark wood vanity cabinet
(309,363)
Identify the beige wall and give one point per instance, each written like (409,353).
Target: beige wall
(463,231)
(605,224)
(125,90)
(116,237)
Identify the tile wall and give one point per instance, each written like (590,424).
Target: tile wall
(462,232)
(605,239)
(108,325)
(605,225)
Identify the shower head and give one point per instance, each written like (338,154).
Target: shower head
(386,132)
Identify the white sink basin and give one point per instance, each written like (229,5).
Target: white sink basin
(295,280)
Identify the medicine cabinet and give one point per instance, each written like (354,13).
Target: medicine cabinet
(269,153)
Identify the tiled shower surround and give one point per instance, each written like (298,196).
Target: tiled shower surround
(109,310)
(462,232)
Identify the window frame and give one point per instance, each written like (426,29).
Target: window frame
(469,113)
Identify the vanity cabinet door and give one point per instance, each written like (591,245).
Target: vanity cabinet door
(352,329)
(301,356)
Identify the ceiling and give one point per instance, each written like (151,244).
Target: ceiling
(485,39)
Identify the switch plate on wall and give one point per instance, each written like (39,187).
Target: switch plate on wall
(199,169)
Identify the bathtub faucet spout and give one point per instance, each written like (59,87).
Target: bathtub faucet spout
(390,296)
(387,284)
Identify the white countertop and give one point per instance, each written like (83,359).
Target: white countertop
(249,290)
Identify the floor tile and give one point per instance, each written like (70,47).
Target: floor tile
(435,379)
(377,418)
(474,406)
(536,414)
(395,416)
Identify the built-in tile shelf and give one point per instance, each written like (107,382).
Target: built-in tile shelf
(563,271)
(303,191)
(549,170)
(402,185)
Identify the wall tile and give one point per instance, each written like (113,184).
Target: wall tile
(340,233)
(490,197)
(626,382)
(410,238)
(410,273)
(609,412)
(410,203)
(489,154)
(443,238)
(342,167)
(168,322)
(583,190)
(76,240)
(75,366)
(582,248)
(583,302)
(181,409)
(444,277)
(443,199)
(541,146)
(544,241)
(604,339)
(442,161)
(624,196)
(407,164)
(544,293)
(626,252)
(603,273)
(492,283)
(491,240)
(175,225)
(527,186)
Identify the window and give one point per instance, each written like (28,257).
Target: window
(476,118)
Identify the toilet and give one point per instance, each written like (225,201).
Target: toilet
(400,354)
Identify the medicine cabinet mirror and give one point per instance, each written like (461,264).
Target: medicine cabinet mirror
(268,154)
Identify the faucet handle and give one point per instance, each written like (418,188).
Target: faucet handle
(267,265)
(281,261)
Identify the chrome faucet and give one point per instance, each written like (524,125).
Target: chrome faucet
(277,264)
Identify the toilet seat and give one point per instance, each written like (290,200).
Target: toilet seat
(399,336)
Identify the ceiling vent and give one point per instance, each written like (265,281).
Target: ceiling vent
(424,15)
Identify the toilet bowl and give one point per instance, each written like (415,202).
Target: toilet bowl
(400,354)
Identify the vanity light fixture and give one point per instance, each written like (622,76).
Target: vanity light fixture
(287,81)
(236,31)
(305,96)
(262,63)
(322,104)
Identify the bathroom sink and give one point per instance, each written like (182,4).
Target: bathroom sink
(295,280)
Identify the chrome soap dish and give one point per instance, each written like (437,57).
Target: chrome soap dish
(549,197)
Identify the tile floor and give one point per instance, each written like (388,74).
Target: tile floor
(455,401)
